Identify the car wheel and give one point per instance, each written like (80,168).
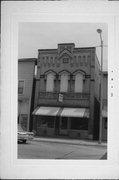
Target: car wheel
(24,141)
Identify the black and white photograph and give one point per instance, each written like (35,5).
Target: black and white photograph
(59,84)
(62,91)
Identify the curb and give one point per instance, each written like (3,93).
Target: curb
(66,142)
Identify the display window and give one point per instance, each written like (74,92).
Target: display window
(79,123)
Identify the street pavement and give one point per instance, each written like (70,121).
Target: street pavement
(54,148)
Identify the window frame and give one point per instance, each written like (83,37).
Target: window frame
(75,90)
(46,75)
(23,80)
(74,79)
(68,78)
(67,83)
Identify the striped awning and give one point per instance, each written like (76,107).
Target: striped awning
(75,112)
(64,112)
(46,111)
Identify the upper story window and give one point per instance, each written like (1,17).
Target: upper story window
(64,77)
(65,60)
(78,82)
(21,87)
(50,82)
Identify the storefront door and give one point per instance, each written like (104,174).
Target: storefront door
(64,126)
(57,125)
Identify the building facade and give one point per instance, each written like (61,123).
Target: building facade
(26,68)
(105,105)
(67,92)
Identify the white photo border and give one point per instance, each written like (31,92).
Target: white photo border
(52,169)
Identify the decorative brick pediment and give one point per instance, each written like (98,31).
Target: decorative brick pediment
(65,54)
(66,46)
(64,72)
(50,72)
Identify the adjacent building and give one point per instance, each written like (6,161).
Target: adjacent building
(26,70)
(67,92)
(105,105)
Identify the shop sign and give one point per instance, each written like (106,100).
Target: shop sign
(60,97)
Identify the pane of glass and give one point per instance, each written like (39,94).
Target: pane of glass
(43,122)
(46,121)
(21,83)
(64,123)
(20,90)
(20,87)
(78,83)
(65,60)
(50,123)
(64,83)
(50,83)
(79,123)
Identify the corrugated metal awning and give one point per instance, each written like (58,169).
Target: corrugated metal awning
(75,112)
(46,111)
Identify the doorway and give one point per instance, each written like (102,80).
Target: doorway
(63,126)
(57,125)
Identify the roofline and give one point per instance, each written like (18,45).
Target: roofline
(68,43)
(47,49)
(28,60)
(85,48)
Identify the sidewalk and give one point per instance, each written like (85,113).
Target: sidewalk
(70,141)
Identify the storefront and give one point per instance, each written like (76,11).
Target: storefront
(58,121)
(104,123)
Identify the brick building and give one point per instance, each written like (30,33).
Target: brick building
(26,69)
(67,92)
(105,104)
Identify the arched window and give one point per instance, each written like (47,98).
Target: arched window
(64,82)
(78,83)
(50,82)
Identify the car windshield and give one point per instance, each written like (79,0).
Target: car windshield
(20,128)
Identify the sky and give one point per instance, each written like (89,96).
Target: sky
(34,36)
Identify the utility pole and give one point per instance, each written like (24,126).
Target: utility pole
(101,87)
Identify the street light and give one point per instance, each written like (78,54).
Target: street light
(101,87)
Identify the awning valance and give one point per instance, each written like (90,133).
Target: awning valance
(75,112)
(46,111)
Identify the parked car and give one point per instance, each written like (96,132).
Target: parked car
(24,136)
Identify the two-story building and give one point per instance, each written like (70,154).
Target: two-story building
(67,92)
(26,70)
